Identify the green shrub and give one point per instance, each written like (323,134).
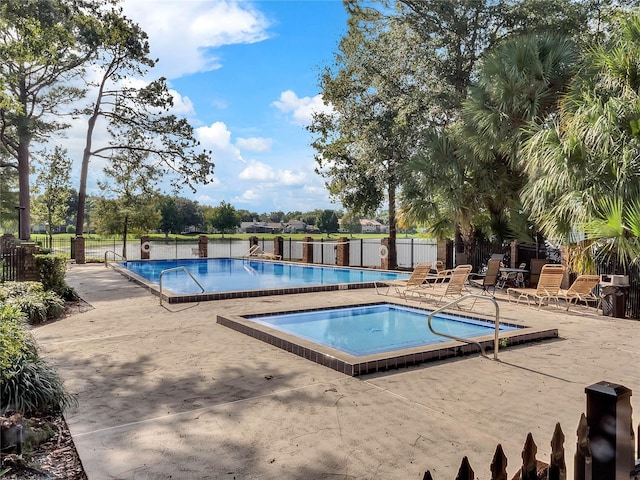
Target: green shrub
(52,269)
(71,229)
(32,300)
(16,289)
(27,383)
(15,340)
(38,306)
(30,385)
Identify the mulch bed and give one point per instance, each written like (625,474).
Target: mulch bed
(55,458)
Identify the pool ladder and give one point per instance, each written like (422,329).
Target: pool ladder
(115,254)
(496,341)
(175,269)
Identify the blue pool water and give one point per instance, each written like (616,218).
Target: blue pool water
(374,329)
(233,274)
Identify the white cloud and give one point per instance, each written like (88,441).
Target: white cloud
(259,172)
(249,196)
(182,105)
(300,109)
(217,137)
(265,174)
(291,178)
(182,33)
(254,144)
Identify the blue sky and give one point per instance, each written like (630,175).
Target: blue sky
(246,75)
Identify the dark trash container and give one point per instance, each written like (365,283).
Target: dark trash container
(614,300)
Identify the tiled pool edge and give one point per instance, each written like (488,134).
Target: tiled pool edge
(355,366)
(203,297)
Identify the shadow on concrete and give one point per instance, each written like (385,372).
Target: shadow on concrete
(118,400)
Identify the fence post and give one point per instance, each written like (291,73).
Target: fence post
(514,254)
(529,469)
(412,256)
(342,252)
(203,246)
(307,250)
(499,464)
(80,250)
(278,246)
(557,465)
(445,253)
(583,454)
(28,270)
(465,472)
(145,248)
(387,248)
(610,432)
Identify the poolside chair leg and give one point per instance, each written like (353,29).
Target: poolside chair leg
(375,284)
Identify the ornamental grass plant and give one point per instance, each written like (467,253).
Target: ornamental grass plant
(28,384)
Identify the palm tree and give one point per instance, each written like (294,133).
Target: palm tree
(612,236)
(469,172)
(583,167)
(440,191)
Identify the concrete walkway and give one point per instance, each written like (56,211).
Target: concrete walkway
(166,393)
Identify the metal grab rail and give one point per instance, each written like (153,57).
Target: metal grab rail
(106,263)
(496,342)
(176,269)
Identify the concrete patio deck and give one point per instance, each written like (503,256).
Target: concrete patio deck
(165,392)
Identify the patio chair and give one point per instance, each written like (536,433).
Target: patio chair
(510,277)
(581,290)
(548,287)
(415,281)
(488,279)
(257,252)
(454,288)
(535,267)
(441,274)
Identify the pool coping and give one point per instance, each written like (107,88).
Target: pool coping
(173,298)
(361,365)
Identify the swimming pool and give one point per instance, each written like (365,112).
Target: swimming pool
(371,329)
(360,339)
(234,277)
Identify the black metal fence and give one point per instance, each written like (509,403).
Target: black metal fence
(11,263)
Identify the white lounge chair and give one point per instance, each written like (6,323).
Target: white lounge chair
(417,280)
(548,286)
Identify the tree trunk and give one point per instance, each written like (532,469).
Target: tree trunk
(124,239)
(22,152)
(393,254)
(86,156)
(84,171)
(24,197)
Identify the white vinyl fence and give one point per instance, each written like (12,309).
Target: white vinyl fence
(362,252)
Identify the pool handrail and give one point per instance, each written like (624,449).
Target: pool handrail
(181,267)
(496,341)
(106,262)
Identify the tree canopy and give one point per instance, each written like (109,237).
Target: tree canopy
(436,99)
(137,118)
(53,185)
(44,44)
(224,218)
